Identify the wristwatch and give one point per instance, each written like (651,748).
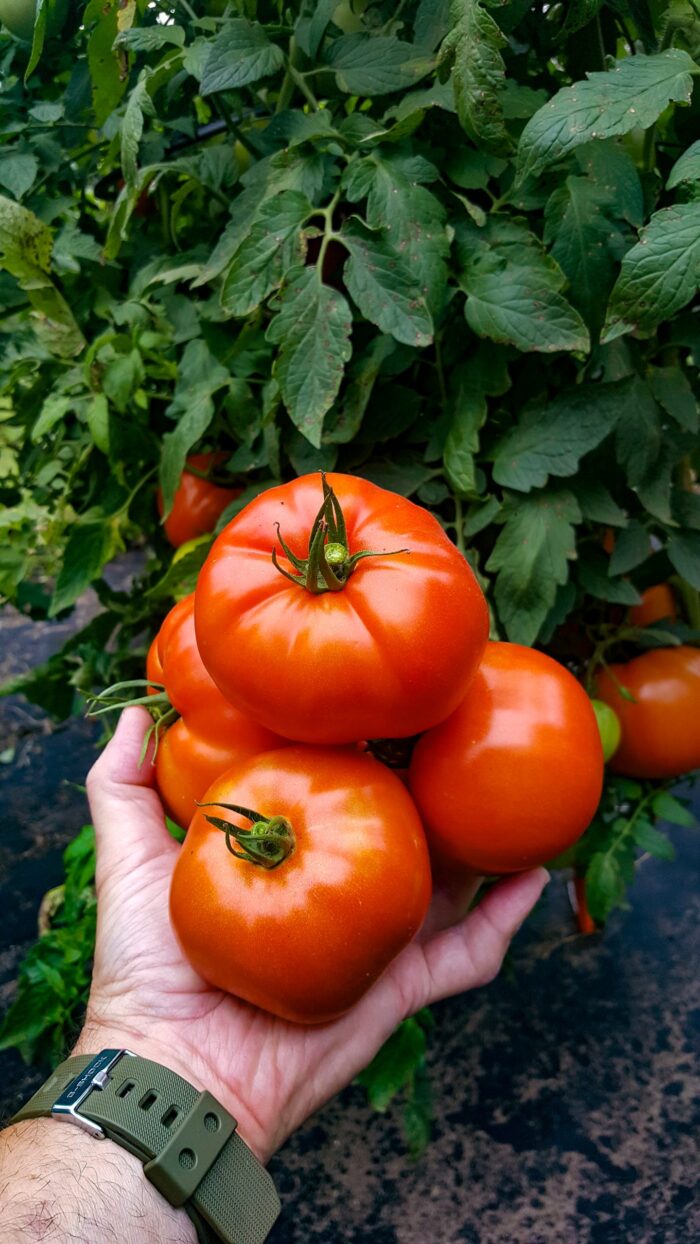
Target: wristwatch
(186,1140)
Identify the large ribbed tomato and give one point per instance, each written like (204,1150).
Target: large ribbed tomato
(661,726)
(198,502)
(514,776)
(210,734)
(310,903)
(365,623)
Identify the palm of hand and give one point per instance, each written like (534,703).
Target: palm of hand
(269,1073)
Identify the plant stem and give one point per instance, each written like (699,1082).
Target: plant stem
(304,87)
(599,37)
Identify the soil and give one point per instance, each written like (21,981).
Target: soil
(566,1094)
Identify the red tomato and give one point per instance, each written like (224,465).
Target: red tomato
(343,886)
(657,602)
(661,729)
(388,653)
(198,503)
(210,734)
(514,776)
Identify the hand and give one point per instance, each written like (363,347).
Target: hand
(268,1073)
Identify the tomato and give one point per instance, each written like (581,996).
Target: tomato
(210,734)
(584,920)
(383,646)
(657,602)
(304,917)
(609,727)
(661,728)
(198,503)
(19,17)
(514,776)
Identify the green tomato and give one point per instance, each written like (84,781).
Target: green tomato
(19,16)
(609,727)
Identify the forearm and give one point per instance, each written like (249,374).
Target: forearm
(59,1184)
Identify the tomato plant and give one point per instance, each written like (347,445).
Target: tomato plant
(514,776)
(263,908)
(656,697)
(198,501)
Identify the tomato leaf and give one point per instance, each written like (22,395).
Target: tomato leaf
(240,54)
(90,546)
(271,248)
(384,288)
(660,274)
(652,841)
(393,1068)
(200,376)
(375,64)
(668,808)
(472,50)
(684,554)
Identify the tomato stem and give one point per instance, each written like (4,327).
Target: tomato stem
(267,844)
(329,562)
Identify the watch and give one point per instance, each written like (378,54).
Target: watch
(186,1140)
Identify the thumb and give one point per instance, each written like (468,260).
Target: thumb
(126,811)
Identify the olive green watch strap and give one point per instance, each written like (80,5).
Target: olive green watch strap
(186,1140)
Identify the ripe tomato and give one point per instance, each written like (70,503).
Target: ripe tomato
(198,503)
(304,917)
(210,734)
(514,776)
(609,727)
(657,602)
(387,649)
(661,729)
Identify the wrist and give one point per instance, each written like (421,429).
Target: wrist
(159,1046)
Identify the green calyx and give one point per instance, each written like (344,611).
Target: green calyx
(113,699)
(329,563)
(267,843)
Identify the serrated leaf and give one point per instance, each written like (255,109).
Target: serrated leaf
(660,274)
(90,546)
(411,215)
(468,417)
(531,557)
(108,78)
(595,501)
(312,329)
(431,24)
(150,38)
(25,251)
(582,238)
(632,547)
(595,576)
(53,410)
(638,434)
(579,13)
(395,1065)
(472,48)
(550,439)
(605,885)
(132,128)
(18,172)
(652,841)
(683,551)
(271,248)
(97,416)
(673,391)
(668,808)
(347,416)
(383,287)
(309,33)
(632,95)
(240,54)
(610,165)
(199,377)
(375,64)
(686,168)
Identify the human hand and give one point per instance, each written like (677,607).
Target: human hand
(270,1074)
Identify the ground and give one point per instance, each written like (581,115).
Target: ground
(567,1100)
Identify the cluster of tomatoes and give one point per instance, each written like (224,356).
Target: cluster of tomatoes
(330,617)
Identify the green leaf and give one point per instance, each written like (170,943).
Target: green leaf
(638,435)
(512,290)
(652,841)
(594,574)
(611,167)
(150,38)
(605,885)
(90,546)
(581,236)
(686,168)
(53,410)
(25,251)
(673,391)
(431,24)
(97,416)
(108,78)
(550,439)
(132,128)
(347,415)
(660,274)
(393,1068)
(683,551)
(630,96)
(240,54)
(375,64)
(531,557)
(38,35)
(383,287)
(312,329)
(468,417)
(272,247)
(632,547)
(414,219)
(199,377)
(309,35)
(668,808)
(18,172)
(472,48)
(579,13)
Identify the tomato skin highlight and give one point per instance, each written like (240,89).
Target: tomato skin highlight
(514,776)
(198,502)
(306,939)
(388,655)
(210,734)
(661,729)
(657,602)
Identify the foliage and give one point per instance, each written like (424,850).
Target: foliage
(450,245)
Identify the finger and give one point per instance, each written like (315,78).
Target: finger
(454,890)
(470,953)
(126,811)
